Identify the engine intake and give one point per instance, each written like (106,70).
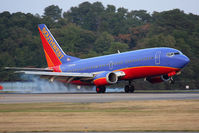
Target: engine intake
(111,78)
(165,77)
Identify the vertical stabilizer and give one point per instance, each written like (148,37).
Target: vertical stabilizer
(55,56)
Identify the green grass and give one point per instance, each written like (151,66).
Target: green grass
(163,115)
(62,107)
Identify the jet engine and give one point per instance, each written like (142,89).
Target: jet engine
(106,78)
(158,79)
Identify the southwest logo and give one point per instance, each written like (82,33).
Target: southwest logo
(52,44)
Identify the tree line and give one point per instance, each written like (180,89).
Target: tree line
(91,29)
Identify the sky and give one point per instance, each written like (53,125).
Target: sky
(38,6)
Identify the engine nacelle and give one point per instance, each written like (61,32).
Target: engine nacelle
(105,78)
(158,79)
(165,78)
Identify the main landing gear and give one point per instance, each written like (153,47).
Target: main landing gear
(100,89)
(129,88)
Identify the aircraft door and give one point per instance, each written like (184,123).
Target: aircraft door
(110,65)
(157,57)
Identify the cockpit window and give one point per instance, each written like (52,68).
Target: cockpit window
(172,54)
(176,53)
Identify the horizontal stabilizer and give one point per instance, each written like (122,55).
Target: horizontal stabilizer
(29,69)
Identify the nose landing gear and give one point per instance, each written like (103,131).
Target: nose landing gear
(129,88)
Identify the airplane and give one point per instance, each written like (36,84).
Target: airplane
(153,64)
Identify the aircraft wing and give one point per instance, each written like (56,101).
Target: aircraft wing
(29,69)
(67,76)
(60,75)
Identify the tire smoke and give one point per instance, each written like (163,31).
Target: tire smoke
(38,85)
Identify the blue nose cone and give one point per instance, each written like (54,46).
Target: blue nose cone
(185,60)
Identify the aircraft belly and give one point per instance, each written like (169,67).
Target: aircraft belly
(146,71)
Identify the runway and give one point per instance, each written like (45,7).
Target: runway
(92,97)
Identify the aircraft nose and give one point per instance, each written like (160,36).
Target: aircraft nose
(185,60)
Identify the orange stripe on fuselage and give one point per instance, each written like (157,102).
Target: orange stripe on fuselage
(50,52)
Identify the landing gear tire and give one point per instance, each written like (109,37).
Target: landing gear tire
(100,89)
(129,89)
(126,89)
